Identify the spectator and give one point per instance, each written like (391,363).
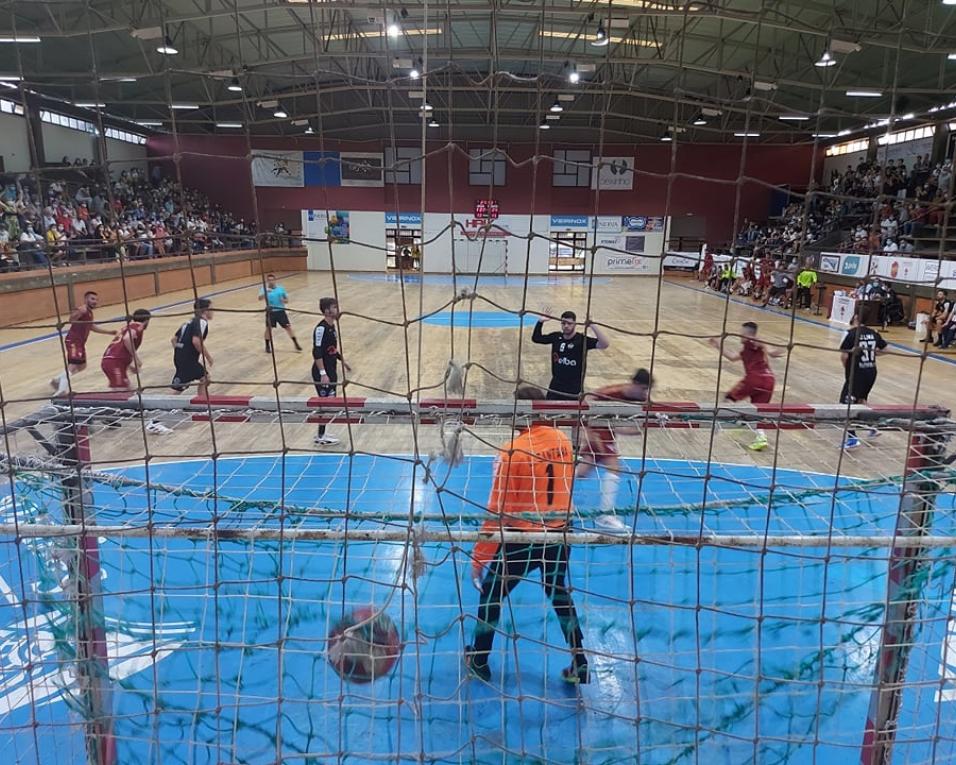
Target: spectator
(31,245)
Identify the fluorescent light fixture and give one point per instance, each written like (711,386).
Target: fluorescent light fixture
(561,35)
(8,85)
(236,125)
(300,123)
(19,39)
(380,33)
(184,107)
(271,104)
(710,112)
(416,94)
(280,113)
(746,135)
(149,123)
(907,116)
(556,106)
(823,135)
(566,96)
(949,2)
(10,78)
(764,86)
(234,86)
(166,47)
(794,117)
(951,56)
(825,60)
(89,105)
(433,123)
(552,117)
(864,93)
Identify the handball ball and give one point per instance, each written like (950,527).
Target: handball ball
(364,646)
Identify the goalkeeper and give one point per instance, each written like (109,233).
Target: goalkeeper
(531,491)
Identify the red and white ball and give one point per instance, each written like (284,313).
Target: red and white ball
(364,646)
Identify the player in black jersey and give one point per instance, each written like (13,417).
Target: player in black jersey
(568,353)
(325,357)
(190,354)
(859,350)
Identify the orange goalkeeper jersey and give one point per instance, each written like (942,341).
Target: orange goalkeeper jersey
(531,488)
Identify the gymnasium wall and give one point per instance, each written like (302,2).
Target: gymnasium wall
(16,144)
(59,142)
(123,155)
(706,181)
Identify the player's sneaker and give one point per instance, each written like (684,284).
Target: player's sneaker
(157,429)
(851,442)
(476,668)
(872,433)
(576,675)
(296,344)
(325,440)
(610,522)
(759,444)
(268,347)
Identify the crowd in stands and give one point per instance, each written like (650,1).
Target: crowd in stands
(797,225)
(911,197)
(128,217)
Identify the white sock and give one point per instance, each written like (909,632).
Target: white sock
(761,436)
(609,482)
(62,386)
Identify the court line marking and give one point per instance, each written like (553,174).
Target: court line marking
(53,335)
(814,322)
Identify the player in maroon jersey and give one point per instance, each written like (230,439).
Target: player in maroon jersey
(121,355)
(600,448)
(758,381)
(81,324)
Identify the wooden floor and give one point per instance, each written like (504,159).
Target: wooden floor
(665,324)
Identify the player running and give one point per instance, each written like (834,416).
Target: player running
(325,358)
(600,448)
(81,324)
(858,352)
(758,381)
(191,357)
(568,353)
(121,355)
(531,491)
(276,299)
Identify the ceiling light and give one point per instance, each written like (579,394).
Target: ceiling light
(236,125)
(433,123)
(234,86)
(666,137)
(19,39)
(166,47)
(600,36)
(709,112)
(10,78)
(309,130)
(823,135)
(394,30)
(183,107)
(89,105)
(300,123)
(426,107)
(577,37)
(699,121)
(764,86)
(544,126)
(573,77)
(864,93)
(414,74)
(793,117)
(149,123)
(556,106)
(552,117)
(746,135)
(825,60)
(280,113)
(949,2)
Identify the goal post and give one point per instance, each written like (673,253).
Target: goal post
(698,510)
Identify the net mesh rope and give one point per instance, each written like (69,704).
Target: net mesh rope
(216,645)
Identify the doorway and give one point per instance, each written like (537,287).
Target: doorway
(403,249)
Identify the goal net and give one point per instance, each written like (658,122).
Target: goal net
(773,608)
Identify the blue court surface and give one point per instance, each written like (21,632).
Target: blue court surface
(723,655)
(478,319)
